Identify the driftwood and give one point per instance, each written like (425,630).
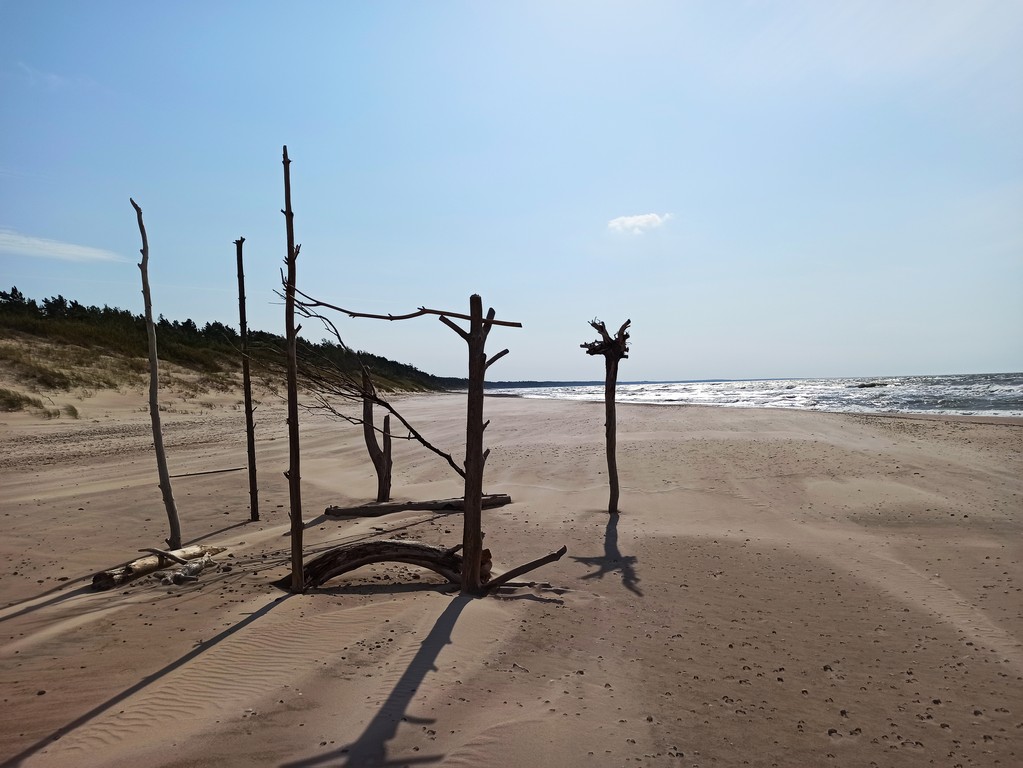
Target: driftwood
(381,457)
(115,577)
(378,509)
(614,350)
(504,578)
(291,335)
(174,539)
(189,571)
(250,424)
(444,561)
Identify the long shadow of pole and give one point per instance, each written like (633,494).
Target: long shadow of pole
(140,685)
(613,561)
(370,748)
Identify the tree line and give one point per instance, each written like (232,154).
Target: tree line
(211,348)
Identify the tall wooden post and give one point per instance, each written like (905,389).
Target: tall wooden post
(475,458)
(294,474)
(250,426)
(174,540)
(613,350)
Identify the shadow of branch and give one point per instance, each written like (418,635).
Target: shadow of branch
(613,561)
(370,748)
(140,685)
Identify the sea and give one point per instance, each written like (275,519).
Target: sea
(986,394)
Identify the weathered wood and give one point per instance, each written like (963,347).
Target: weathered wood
(174,539)
(122,574)
(444,561)
(291,333)
(472,533)
(614,350)
(381,457)
(209,472)
(504,578)
(189,572)
(165,554)
(250,424)
(377,509)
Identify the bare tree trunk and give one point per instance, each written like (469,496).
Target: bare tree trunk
(475,571)
(250,426)
(472,532)
(613,350)
(294,474)
(610,430)
(381,458)
(174,540)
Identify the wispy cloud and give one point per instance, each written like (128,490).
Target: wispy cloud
(637,225)
(17,244)
(51,80)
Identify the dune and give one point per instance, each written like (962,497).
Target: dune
(781,588)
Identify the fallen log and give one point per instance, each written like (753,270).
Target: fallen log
(378,508)
(444,561)
(122,574)
(189,571)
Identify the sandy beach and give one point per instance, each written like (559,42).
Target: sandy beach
(782,588)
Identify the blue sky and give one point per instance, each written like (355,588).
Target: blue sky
(767,189)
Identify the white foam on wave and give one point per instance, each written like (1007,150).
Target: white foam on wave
(959,394)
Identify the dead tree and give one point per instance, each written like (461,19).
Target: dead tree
(291,336)
(381,457)
(174,540)
(475,455)
(472,577)
(613,350)
(326,382)
(250,426)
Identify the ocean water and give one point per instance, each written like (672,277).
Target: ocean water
(991,394)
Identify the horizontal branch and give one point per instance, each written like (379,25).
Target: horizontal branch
(311,302)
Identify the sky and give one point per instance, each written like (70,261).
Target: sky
(766,189)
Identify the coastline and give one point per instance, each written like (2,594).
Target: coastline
(969,419)
(990,394)
(782,586)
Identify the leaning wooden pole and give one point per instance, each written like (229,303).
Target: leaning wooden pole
(294,474)
(174,540)
(250,425)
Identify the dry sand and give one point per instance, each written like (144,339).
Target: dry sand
(781,588)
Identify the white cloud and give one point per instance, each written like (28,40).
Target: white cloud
(637,225)
(17,244)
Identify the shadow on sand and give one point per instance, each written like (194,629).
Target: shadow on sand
(370,748)
(613,561)
(219,531)
(140,685)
